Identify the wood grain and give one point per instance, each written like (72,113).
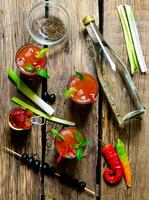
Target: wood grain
(134,134)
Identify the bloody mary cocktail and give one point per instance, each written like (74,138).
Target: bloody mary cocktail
(26,56)
(19,119)
(86,88)
(66,147)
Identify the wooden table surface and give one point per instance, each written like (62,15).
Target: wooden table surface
(19,183)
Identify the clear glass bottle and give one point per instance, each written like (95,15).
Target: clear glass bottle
(114,77)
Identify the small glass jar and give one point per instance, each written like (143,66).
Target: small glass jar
(86,89)
(25,56)
(69,139)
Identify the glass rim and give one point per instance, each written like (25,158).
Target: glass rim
(36,38)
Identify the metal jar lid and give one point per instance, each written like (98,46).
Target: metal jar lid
(86,20)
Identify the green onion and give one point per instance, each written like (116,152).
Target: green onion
(79,75)
(129,42)
(70,91)
(40,113)
(29,93)
(56,133)
(42,53)
(135,38)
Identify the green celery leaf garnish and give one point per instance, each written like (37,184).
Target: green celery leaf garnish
(82,144)
(55,132)
(29,68)
(79,137)
(42,53)
(70,91)
(43,73)
(79,75)
(79,153)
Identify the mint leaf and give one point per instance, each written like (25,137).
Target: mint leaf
(43,73)
(70,91)
(56,133)
(79,75)
(79,153)
(82,144)
(42,53)
(79,137)
(29,68)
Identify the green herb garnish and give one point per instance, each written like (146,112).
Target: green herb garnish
(70,91)
(79,75)
(81,143)
(56,133)
(42,53)
(79,153)
(42,73)
(29,68)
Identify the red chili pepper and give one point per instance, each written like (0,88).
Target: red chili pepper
(113,175)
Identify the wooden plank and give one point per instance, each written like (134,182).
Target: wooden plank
(135,134)
(62,64)
(17,182)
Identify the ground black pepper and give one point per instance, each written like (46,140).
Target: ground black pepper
(54,28)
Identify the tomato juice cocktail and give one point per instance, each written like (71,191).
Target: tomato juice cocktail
(86,88)
(27,60)
(66,147)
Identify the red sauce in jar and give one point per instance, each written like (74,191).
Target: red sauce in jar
(20,118)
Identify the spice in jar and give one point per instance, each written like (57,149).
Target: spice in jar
(54,28)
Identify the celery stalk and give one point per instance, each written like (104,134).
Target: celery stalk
(135,37)
(129,43)
(40,113)
(29,93)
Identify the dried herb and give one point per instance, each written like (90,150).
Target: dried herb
(54,28)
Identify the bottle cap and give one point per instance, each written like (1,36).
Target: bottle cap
(86,20)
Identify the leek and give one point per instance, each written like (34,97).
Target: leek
(40,113)
(135,37)
(29,93)
(128,38)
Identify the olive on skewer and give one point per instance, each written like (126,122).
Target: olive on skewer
(49,171)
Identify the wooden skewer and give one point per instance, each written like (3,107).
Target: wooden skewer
(56,174)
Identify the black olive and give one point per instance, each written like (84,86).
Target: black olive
(51,98)
(36,165)
(45,96)
(75,183)
(81,186)
(45,167)
(51,171)
(30,162)
(24,158)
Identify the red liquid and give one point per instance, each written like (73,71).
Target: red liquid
(85,88)
(26,55)
(20,118)
(69,138)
